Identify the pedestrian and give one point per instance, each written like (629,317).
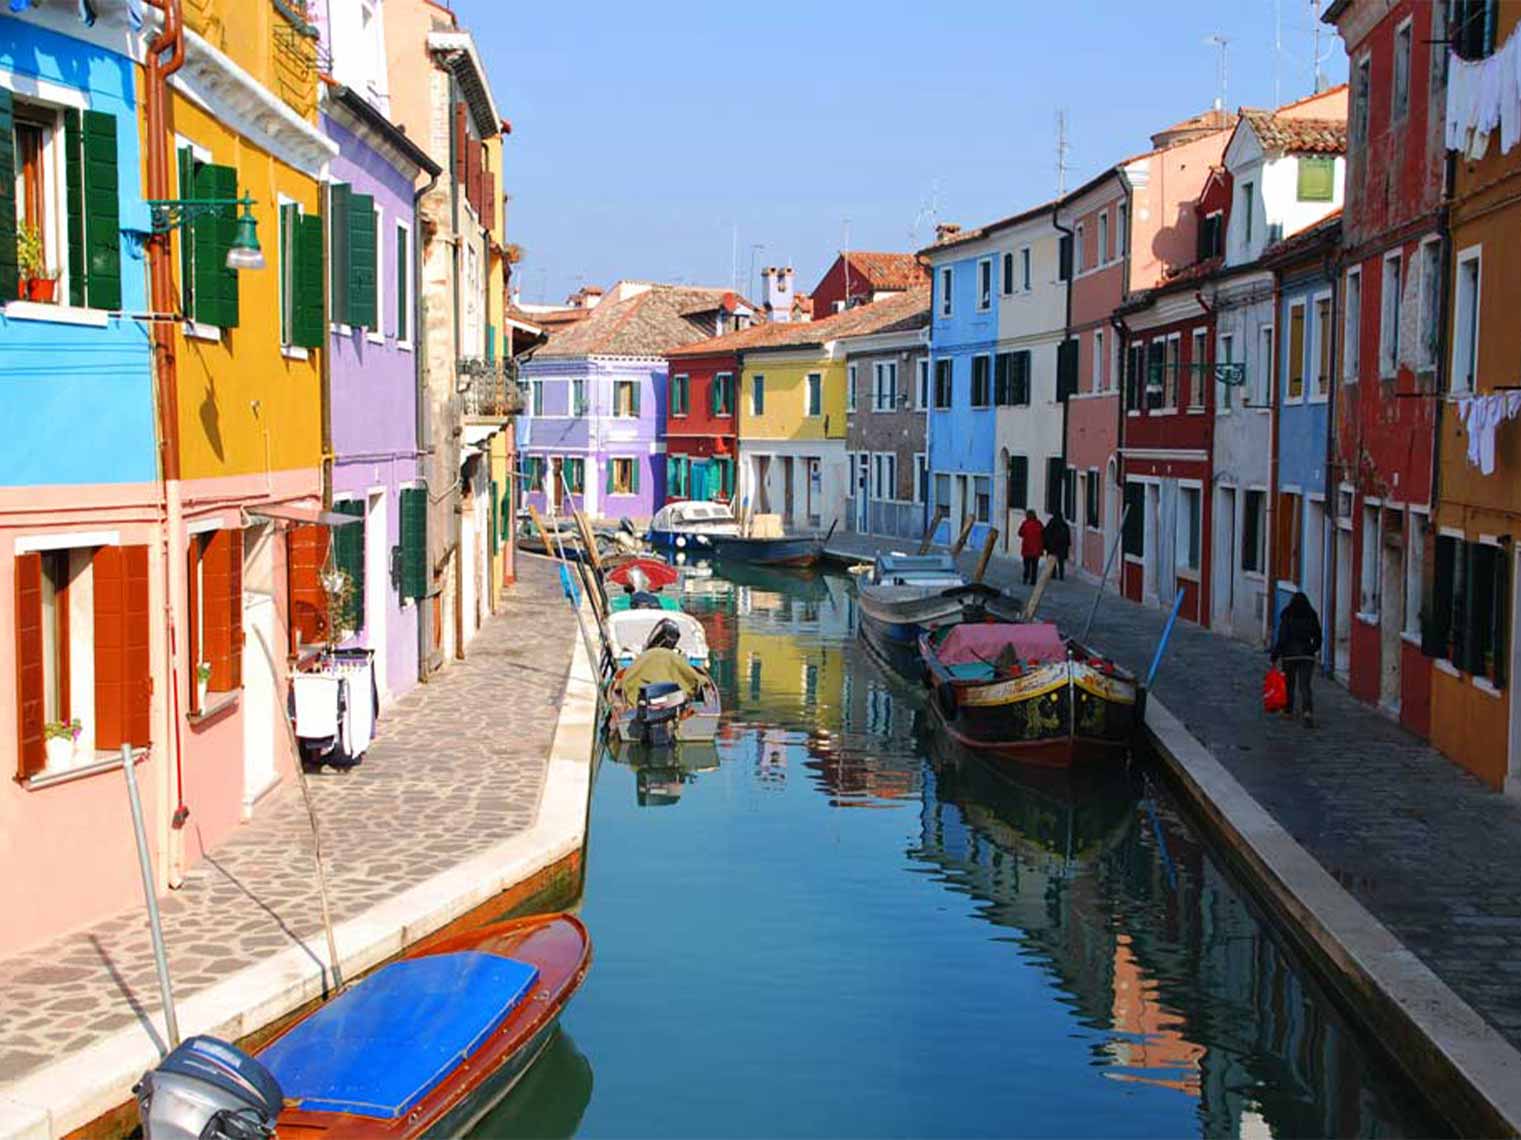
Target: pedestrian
(1297,644)
(1032,543)
(1059,543)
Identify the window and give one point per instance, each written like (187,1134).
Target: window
(403,285)
(208,289)
(758,396)
(1092,492)
(1017,483)
(1199,347)
(1077,249)
(1056,478)
(885,476)
(850,388)
(1069,495)
(348,554)
(982,498)
(1133,536)
(1360,92)
(1064,258)
(885,394)
(353,255)
(622,476)
(1288,527)
(946,279)
(1248,208)
(1401,71)
(1254,533)
(1098,360)
(1189,527)
(1317,178)
(1104,253)
(575,475)
(1389,319)
(678,477)
(1211,241)
(1170,370)
(981,393)
(1024,268)
(984,284)
(1265,359)
(1008,274)
(814,395)
(300,277)
(943,385)
(1471,27)
(681,394)
(921,477)
(943,492)
(1471,598)
(1122,224)
(214,622)
(577,396)
(1135,376)
(1415,570)
(1465,322)
(1295,389)
(1225,393)
(1322,341)
(723,393)
(626,398)
(1368,577)
(1431,302)
(1011,378)
(1352,327)
(921,367)
(537,389)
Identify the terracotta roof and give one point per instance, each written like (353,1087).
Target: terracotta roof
(1297,136)
(727,301)
(891,314)
(962,237)
(647,324)
(887,270)
(1213,119)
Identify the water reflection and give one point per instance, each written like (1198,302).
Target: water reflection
(549,1101)
(661,774)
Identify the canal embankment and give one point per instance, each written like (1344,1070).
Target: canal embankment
(472,801)
(1392,869)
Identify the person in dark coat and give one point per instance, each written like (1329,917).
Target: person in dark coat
(1297,645)
(1059,543)
(1032,543)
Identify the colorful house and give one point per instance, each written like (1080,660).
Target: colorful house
(597,398)
(1392,368)
(858,277)
(1469,618)
(701,434)
(373,366)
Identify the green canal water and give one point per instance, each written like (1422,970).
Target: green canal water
(833,925)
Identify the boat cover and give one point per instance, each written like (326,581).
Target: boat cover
(911,565)
(656,573)
(973,642)
(381,1047)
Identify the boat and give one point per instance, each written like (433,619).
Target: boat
(1021,691)
(661,774)
(902,596)
(700,531)
(630,629)
(425,1046)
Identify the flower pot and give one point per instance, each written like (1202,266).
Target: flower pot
(21,284)
(60,751)
(41,289)
(200,694)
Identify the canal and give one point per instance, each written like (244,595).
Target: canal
(833,925)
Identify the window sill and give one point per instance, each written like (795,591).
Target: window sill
(1409,638)
(1368,618)
(1197,411)
(1255,576)
(217,706)
(375,338)
(56,314)
(404,346)
(1442,665)
(104,762)
(195,330)
(1484,686)
(294,352)
(1188,574)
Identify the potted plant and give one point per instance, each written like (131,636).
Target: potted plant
(59,738)
(202,680)
(37,282)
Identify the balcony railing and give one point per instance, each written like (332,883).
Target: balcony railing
(489,388)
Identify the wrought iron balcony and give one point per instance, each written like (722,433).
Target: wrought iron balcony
(489,389)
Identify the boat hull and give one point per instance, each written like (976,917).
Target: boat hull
(795,553)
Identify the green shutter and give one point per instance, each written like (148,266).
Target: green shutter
(186,186)
(610,464)
(505,514)
(306,329)
(414,542)
(338,241)
(216,286)
(10,270)
(633,405)
(348,556)
(290,215)
(1317,178)
(633,474)
(490,342)
(496,533)
(73,177)
(361,271)
(1019,482)
(102,215)
(403,282)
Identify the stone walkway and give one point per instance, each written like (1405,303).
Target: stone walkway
(1425,847)
(458,767)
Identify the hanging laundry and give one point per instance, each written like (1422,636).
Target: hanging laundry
(1510,95)
(1481,417)
(1492,411)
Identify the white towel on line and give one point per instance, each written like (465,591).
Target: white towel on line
(316,705)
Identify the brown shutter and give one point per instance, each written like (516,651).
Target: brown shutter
(137,673)
(460,139)
(216,610)
(307,553)
(192,617)
(110,649)
(234,607)
(31,755)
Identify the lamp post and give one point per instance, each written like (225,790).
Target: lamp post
(245,253)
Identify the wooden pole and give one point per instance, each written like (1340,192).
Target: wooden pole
(967,524)
(1047,568)
(987,554)
(929,534)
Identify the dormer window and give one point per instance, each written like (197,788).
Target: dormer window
(1317,177)
(1248,202)
(1211,235)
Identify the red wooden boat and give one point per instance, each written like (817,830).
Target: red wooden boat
(658,574)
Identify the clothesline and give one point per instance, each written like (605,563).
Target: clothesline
(1481,416)
(1482,95)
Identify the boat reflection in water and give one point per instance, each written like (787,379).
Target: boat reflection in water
(660,774)
(549,1101)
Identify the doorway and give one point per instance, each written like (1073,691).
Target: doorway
(555,486)
(862,479)
(1223,573)
(1391,608)
(814,494)
(376,585)
(1152,545)
(1313,578)
(1513,768)
(1114,493)
(1343,655)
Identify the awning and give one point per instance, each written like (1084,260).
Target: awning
(292,512)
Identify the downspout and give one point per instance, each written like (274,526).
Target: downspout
(162,301)
(459,489)
(1273,473)
(1333,269)
(420,407)
(1066,336)
(1444,231)
(327,356)
(1206,515)
(1122,332)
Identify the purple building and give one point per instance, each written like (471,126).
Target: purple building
(374,372)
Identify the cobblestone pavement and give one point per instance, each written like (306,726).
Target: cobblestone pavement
(1425,847)
(458,767)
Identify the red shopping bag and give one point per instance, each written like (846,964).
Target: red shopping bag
(1275,691)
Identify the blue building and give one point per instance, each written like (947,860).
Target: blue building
(1308,539)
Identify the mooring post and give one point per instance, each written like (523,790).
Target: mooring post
(967,524)
(1166,635)
(987,554)
(929,535)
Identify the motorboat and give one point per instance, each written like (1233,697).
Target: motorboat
(697,531)
(425,1046)
(630,631)
(1021,691)
(903,596)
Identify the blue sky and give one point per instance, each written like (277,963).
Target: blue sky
(644,134)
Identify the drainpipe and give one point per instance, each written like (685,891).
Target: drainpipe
(1273,475)
(1332,267)
(163,301)
(1206,595)
(459,489)
(1444,231)
(1066,336)
(1122,333)
(327,356)
(420,408)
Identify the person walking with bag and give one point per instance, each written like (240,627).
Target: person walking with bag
(1032,544)
(1058,540)
(1297,645)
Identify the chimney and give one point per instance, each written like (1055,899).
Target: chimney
(778,284)
(945,231)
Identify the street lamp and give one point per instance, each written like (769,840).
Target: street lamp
(245,253)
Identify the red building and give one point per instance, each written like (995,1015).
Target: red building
(1391,363)
(701,423)
(860,278)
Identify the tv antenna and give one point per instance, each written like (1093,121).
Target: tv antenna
(929,211)
(1061,153)
(1222,67)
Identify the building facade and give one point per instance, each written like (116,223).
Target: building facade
(859,278)
(887,394)
(701,425)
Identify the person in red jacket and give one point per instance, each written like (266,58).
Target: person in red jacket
(1032,544)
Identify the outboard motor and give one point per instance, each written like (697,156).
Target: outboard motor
(657,712)
(208,1090)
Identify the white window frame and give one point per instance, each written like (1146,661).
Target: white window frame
(1077,250)
(404,334)
(1197,338)
(1176,355)
(1225,353)
(1352,327)
(922,384)
(850,388)
(377,335)
(1389,314)
(1103,239)
(888,369)
(1196,523)
(1428,346)
(1398,114)
(984,284)
(1026,277)
(972,381)
(921,476)
(1006,274)
(808,380)
(675,376)
(1261,553)
(1312,394)
(1368,569)
(1459,380)
(1416,521)
(758,389)
(49,98)
(1248,203)
(1264,374)
(1098,360)
(287,349)
(947,290)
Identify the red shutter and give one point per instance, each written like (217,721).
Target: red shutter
(31,755)
(110,646)
(460,138)
(193,600)
(488,193)
(137,673)
(215,610)
(307,554)
(234,608)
